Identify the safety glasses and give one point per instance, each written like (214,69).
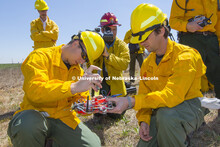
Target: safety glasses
(83,54)
(141,33)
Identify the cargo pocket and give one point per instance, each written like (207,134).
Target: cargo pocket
(14,126)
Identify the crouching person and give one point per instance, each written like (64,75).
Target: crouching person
(167,102)
(51,85)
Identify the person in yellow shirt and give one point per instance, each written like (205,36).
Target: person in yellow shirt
(167,101)
(217,26)
(115,59)
(44,31)
(187,18)
(136,52)
(51,84)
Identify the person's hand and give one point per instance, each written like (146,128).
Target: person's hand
(87,81)
(193,26)
(121,104)
(144,131)
(98,97)
(105,53)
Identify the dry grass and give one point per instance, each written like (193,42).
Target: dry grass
(11,94)
(113,133)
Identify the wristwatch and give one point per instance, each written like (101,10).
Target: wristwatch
(129,102)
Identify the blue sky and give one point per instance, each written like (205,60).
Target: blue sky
(70,15)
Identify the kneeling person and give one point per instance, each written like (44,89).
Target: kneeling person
(168,107)
(51,85)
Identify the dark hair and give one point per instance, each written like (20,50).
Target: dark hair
(73,38)
(166,27)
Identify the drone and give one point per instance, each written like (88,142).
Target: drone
(96,105)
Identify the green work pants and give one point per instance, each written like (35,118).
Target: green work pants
(133,57)
(170,126)
(208,47)
(30,128)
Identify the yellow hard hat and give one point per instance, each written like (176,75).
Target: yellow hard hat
(41,5)
(144,20)
(94,44)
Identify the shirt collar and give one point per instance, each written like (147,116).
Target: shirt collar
(43,21)
(166,55)
(169,50)
(111,45)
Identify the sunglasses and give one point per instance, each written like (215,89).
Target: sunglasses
(83,54)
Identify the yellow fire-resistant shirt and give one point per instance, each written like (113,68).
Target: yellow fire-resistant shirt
(47,85)
(179,19)
(177,78)
(217,27)
(44,38)
(118,61)
(127,40)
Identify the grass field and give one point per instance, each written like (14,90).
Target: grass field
(4,66)
(113,133)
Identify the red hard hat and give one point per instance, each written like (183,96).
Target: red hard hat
(109,19)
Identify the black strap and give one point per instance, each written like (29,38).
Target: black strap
(185,6)
(105,90)
(67,65)
(104,70)
(140,34)
(218,5)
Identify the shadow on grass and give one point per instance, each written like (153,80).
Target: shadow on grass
(207,135)
(101,123)
(7,115)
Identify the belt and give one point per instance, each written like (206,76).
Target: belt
(154,111)
(44,113)
(205,33)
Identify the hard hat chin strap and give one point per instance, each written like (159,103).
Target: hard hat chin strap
(165,24)
(168,28)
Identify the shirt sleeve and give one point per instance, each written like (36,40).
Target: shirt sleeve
(36,35)
(176,17)
(38,87)
(127,37)
(53,33)
(143,115)
(120,62)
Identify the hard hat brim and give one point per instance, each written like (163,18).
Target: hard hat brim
(46,8)
(42,9)
(135,39)
(110,25)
